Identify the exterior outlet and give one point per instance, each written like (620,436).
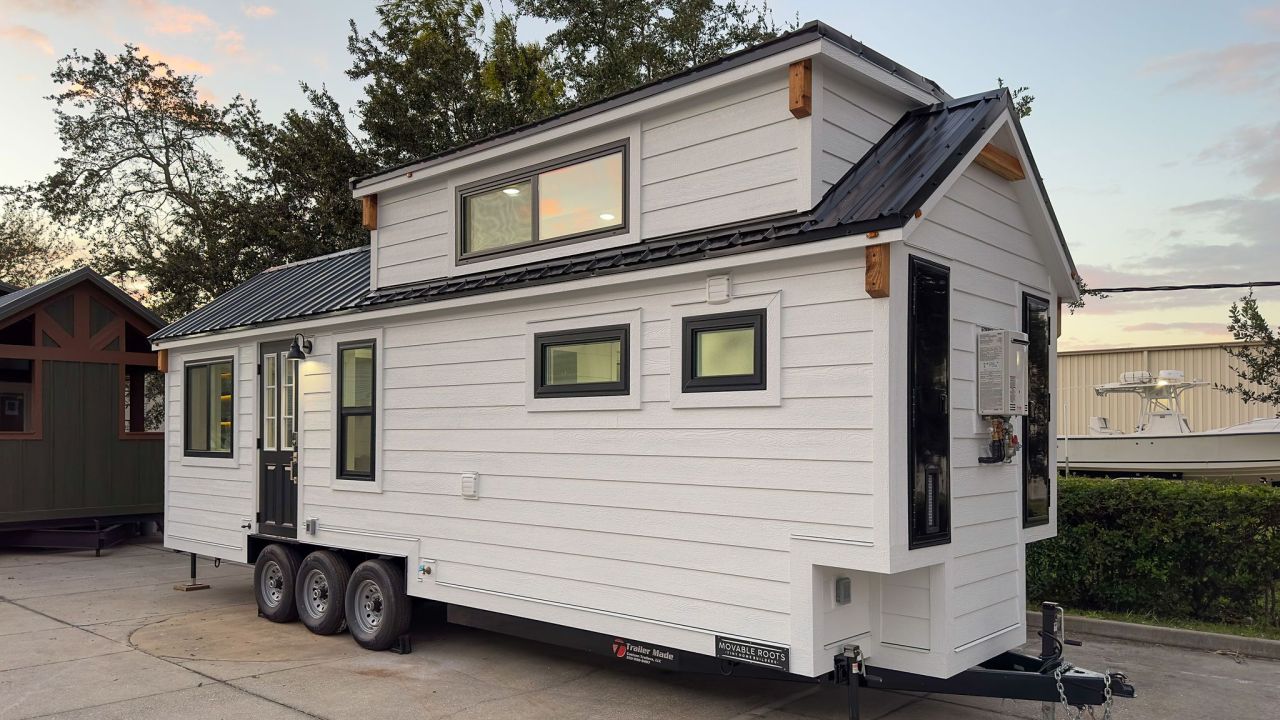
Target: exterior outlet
(844,590)
(719,289)
(311,525)
(471,485)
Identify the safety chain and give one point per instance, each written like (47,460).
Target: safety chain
(1073,713)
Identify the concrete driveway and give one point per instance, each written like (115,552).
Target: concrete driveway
(108,637)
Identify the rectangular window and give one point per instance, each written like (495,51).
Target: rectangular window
(929,402)
(582,363)
(210,406)
(17,395)
(143,399)
(1035,433)
(724,352)
(569,199)
(270,402)
(356,392)
(288,398)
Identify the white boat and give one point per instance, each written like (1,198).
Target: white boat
(1164,444)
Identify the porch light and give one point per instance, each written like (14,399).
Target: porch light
(299,348)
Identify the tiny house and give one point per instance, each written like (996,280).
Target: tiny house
(695,367)
(81,410)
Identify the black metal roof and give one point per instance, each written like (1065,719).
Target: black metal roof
(6,288)
(882,191)
(320,285)
(808,32)
(19,300)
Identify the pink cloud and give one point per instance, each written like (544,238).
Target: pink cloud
(172,19)
(1256,152)
(1269,16)
(23,35)
(230,42)
(258,12)
(180,64)
(1201,328)
(1236,69)
(60,7)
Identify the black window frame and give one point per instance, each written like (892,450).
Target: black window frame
(692,325)
(1029,441)
(542,341)
(187,367)
(530,174)
(344,413)
(918,537)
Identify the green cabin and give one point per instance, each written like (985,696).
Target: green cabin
(81,405)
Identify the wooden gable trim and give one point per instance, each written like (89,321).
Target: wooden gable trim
(877,270)
(369,212)
(801,88)
(1004,164)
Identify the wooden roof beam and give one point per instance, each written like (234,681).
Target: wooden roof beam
(1001,163)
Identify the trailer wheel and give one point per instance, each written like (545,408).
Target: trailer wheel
(273,579)
(322,590)
(378,607)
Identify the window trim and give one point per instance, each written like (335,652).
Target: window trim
(691,325)
(919,539)
(124,434)
(543,340)
(1050,472)
(186,408)
(343,413)
(530,173)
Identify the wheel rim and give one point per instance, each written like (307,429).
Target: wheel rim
(316,587)
(369,606)
(272,584)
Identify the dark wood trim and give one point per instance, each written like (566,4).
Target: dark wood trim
(37,404)
(371,411)
(123,434)
(692,326)
(542,341)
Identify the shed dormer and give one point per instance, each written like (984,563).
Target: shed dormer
(758,134)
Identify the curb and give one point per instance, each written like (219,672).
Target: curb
(1174,637)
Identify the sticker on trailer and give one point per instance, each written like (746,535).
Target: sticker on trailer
(654,655)
(771,656)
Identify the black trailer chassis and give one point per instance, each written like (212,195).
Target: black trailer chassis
(1008,675)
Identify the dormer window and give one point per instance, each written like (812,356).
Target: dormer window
(566,200)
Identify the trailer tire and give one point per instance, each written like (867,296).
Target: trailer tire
(274,576)
(321,592)
(378,607)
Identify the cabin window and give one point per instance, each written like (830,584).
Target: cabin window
(582,363)
(724,352)
(356,397)
(209,389)
(1035,433)
(570,199)
(928,402)
(143,399)
(17,395)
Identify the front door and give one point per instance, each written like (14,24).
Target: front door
(277,442)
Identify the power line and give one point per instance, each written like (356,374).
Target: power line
(1205,286)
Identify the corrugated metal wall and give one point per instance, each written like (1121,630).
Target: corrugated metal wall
(1206,408)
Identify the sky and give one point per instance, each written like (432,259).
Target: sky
(1156,125)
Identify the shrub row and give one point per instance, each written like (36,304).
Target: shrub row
(1167,548)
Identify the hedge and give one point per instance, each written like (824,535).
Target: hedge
(1168,548)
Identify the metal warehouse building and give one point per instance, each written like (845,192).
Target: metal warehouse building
(1206,408)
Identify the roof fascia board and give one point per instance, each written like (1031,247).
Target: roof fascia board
(846,58)
(1029,198)
(489,150)
(358,316)
(50,288)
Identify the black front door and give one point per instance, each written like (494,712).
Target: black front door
(277,442)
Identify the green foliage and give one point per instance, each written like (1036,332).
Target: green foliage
(31,249)
(1163,547)
(1258,362)
(1022,98)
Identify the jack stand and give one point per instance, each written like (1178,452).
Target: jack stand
(404,645)
(849,672)
(193,585)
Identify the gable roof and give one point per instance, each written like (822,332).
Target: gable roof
(883,191)
(25,298)
(810,31)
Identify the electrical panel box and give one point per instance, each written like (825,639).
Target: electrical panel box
(1002,372)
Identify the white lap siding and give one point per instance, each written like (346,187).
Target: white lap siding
(678,515)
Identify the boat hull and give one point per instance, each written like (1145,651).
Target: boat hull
(1242,457)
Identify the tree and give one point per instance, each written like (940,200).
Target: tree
(604,48)
(30,249)
(1022,98)
(1258,361)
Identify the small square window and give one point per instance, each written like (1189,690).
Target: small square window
(724,352)
(582,363)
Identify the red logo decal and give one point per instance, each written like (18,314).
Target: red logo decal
(620,648)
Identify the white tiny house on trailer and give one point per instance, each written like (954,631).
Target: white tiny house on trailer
(694,367)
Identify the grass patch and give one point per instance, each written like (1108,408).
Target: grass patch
(1268,632)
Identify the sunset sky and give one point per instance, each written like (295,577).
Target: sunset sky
(1156,126)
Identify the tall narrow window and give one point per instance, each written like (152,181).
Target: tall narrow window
(356,383)
(1035,434)
(270,402)
(929,402)
(143,399)
(17,395)
(208,392)
(582,363)
(288,399)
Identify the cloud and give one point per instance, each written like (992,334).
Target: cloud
(230,42)
(181,64)
(1269,16)
(1235,69)
(58,7)
(259,12)
(1202,328)
(166,19)
(1256,151)
(23,35)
